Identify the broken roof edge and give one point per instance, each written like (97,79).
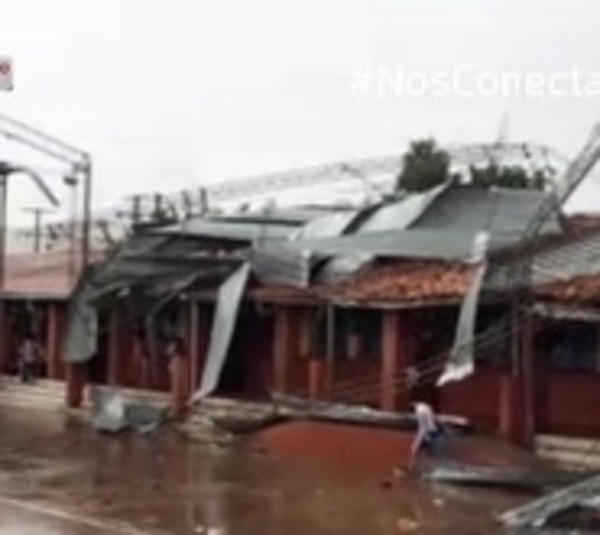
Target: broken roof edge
(36,296)
(411,244)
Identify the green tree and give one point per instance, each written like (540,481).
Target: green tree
(425,166)
(513,177)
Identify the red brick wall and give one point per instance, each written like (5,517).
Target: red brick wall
(573,402)
(297,375)
(477,398)
(357,381)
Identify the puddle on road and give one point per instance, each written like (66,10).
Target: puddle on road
(163,485)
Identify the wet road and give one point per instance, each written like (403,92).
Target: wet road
(60,478)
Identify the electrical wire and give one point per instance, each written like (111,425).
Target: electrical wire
(424,378)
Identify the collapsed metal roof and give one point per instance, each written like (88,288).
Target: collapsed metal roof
(501,212)
(231,229)
(573,256)
(440,224)
(163,262)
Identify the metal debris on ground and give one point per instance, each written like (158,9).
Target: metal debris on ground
(114,414)
(406,525)
(501,477)
(568,502)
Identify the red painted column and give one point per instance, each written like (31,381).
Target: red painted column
(180,383)
(115,377)
(180,365)
(54,341)
(315,379)
(137,369)
(76,380)
(397,355)
(4,338)
(516,395)
(281,350)
(194,333)
(512,409)
(320,374)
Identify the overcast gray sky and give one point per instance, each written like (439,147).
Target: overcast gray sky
(169,93)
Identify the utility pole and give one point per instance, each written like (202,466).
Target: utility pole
(79,160)
(38,214)
(4,173)
(86,245)
(6,170)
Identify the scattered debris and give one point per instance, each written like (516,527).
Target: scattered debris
(339,412)
(406,525)
(570,501)
(113,414)
(240,424)
(201,428)
(109,412)
(508,478)
(438,502)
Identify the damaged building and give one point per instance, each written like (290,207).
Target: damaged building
(358,307)
(354,306)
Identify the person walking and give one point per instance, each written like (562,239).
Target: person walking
(429,435)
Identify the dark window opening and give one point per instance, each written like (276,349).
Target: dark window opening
(493,340)
(574,347)
(357,334)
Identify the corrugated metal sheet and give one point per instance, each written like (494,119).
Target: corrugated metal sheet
(402,214)
(327,226)
(440,224)
(417,244)
(577,257)
(228,230)
(81,339)
(341,267)
(281,265)
(226,314)
(155,265)
(502,212)
(461,363)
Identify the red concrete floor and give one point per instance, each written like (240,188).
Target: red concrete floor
(57,478)
(377,450)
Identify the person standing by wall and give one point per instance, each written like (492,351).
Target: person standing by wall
(27,360)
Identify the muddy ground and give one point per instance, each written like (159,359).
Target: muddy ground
(59,477)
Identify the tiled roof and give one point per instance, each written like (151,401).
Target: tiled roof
(407,281)
(582,289)
(283,293)
(401,282)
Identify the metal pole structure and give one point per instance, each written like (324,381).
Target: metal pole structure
(6,169)
(3,219)
(55,148)
(73,183)
(38,214)
(87,213)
